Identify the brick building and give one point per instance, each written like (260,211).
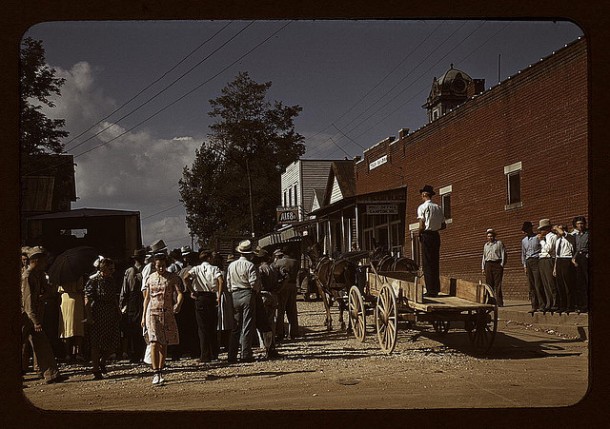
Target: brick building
(516,152)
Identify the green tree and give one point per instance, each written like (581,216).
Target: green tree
(234,184)
(38,134)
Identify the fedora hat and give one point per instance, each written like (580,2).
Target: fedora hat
(278,252)
(36,250)
(428,189)
(490,231)
(158,246)
(185,250)
(245,247)
(544,224)
(261,253)
(139,253)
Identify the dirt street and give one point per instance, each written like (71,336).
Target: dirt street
(329,370)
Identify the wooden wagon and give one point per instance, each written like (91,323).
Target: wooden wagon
(398,296)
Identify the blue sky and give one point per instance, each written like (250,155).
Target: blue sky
(358,82)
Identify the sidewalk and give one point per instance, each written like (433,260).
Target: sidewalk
(574,325)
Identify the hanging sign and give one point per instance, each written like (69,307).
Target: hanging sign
(382,209)
(287,215)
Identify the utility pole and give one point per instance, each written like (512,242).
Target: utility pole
(250,195)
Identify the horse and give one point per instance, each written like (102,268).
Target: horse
(334,277)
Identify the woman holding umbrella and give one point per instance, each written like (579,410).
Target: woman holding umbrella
(104,316)
(159,310)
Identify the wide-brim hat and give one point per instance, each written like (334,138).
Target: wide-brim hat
(428,189)
(278,252)
(544,224)
(261,253)
(139,253)
(490,231)
(158,246)
(527,225)
(186,250)
(245,247)
(25,250)
(36,250)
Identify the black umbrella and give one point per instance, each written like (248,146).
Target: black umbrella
(72,264)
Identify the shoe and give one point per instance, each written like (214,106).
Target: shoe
(97,375)
(247,359)
(161,379)
(59,379)
(155,379)
(430,295)
(532,311)
(273,354)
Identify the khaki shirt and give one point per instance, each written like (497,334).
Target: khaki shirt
(33,286)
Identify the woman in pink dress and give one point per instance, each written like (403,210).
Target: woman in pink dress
(159,309)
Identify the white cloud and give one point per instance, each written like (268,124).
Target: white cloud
(136,171)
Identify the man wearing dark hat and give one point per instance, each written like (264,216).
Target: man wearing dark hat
(33,285)
(548,241)
(287,296)
(242,279)
(494,259)
(530,253)
(431,221)
(130,301)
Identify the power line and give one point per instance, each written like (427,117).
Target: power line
(166,88)
(178,99)
(149,85)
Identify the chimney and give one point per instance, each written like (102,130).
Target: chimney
(357,158)
(403,132)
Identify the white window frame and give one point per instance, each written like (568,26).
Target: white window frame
(509,171)
(445,190)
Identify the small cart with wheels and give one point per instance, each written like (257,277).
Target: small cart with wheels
(398,296)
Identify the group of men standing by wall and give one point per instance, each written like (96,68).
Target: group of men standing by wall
(555,261)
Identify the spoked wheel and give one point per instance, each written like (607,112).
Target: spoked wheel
(386,319)
(441,326)
(357,313)
(483,324)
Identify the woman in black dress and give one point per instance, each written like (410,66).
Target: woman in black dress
(103,315)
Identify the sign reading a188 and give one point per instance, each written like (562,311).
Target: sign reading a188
(287,215)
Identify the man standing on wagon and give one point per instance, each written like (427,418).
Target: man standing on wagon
(431,221)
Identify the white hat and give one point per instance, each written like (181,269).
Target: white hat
(245,247)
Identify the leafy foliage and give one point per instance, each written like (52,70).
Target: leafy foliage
(251,138)
(38,134)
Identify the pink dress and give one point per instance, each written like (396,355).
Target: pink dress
(160,320)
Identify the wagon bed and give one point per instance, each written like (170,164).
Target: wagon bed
(398,296)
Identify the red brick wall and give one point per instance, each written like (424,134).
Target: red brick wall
(537,117)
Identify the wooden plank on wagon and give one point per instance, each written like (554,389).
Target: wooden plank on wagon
(469,291)
(448,303)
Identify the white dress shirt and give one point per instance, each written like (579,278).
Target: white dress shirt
(431,214)
(204,277)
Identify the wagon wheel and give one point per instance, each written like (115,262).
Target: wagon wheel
(357,313)
(483,324)
(441,326)
(386,319)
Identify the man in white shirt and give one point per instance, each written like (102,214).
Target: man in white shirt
(546,263)
(205,283)
(242,279)
(431,221)
(565,273)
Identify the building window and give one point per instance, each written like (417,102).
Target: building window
(513,185)
(285,201)
(296,201)
(445,194)
(289,196)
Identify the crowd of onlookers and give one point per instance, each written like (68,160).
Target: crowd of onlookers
(168,304)
(555,261)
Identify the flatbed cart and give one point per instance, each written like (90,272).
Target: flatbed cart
(398,296)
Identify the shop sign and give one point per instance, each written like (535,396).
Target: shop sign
(287,215)
(382,209)
(378,162)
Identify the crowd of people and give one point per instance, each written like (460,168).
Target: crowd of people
(555,260)
(168,303)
